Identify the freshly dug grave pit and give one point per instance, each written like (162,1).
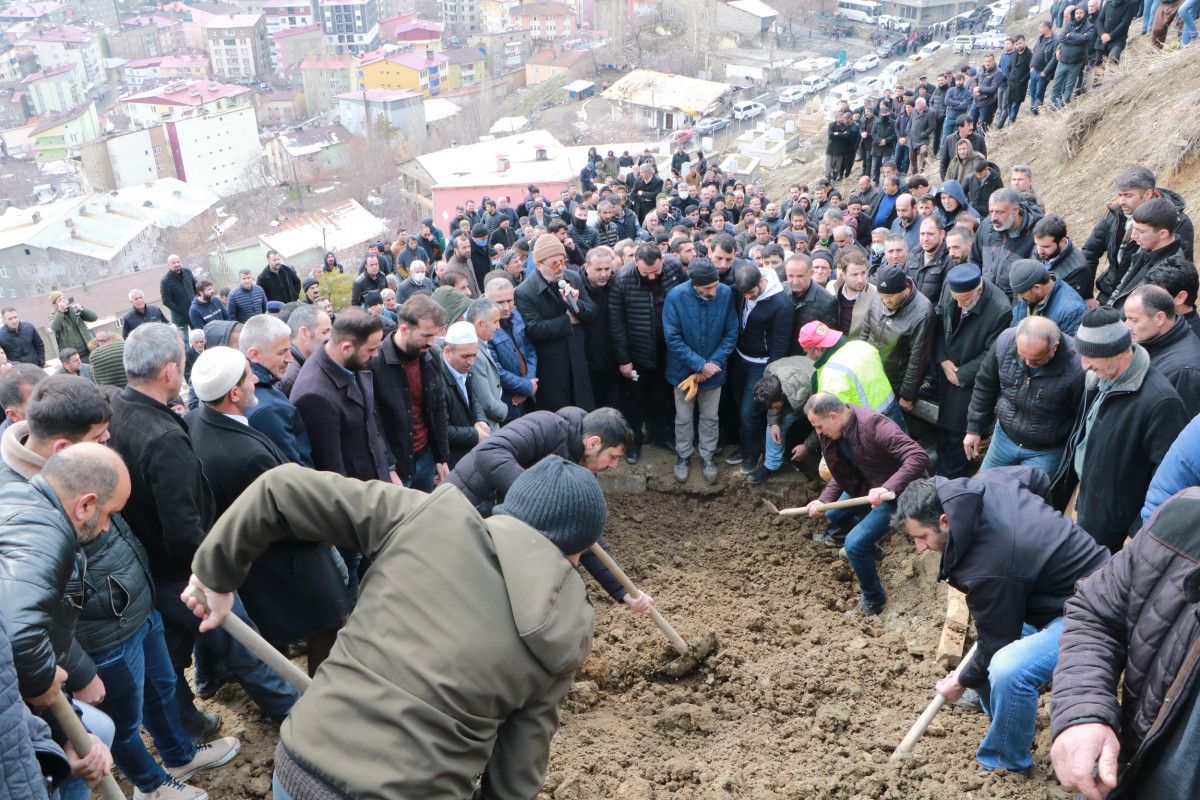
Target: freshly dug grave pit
(797,703)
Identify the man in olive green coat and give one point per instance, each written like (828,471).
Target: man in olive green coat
(68,323)
(466,635)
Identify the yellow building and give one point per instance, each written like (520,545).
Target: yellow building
(415,70)
(465,68)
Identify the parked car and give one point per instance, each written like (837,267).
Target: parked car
(843,73)
(681,136)
(814,83)
(963,44)
(892,70)
(930,48)
(748,110)
(792,94)
(711,125)
(868,62)
(989,41)
(870,84)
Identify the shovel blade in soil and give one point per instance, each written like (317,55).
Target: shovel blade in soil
(698,653)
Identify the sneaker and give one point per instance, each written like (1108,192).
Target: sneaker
(211,724)
(634,455)
(682,467)
(747,467)
(760,475)
(865,610)
(710,472)
(734,458)
(172,790)
(970,701)
(826,539)
(208,756)
(879,553)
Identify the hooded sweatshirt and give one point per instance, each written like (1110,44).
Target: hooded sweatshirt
(766,322)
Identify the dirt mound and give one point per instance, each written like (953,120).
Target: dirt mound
(797,703)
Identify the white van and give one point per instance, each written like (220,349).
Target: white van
(814,83)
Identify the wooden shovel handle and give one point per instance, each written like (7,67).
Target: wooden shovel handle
(253,641)
(676,640)
(81,742)
(849,503)
(935,705)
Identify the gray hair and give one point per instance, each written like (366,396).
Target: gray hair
(478,309)
(832,217)
(149,348)
(498,283)
(76,471)
(304,316)
(195,335)
(261,331)
(1042,328)
(1006,196)
(1135,177)
(388,294)
(1025,170)
(132,292)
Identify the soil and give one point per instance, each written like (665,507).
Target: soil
(798,702)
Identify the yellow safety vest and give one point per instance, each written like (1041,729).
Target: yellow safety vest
(854,374)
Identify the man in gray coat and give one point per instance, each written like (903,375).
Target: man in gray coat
(487,395)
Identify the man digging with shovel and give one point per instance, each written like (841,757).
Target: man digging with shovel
(867,455)
(465,638)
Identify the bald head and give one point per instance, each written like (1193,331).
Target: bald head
(1037,340)
(91,482)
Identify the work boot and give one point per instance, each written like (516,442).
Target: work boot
(682,467)
(734,458)
(826,538)
(665,444)
(864,609)
(209,723)
(760,475)
(710,471)
(633,455)
(208,756)
(748,465)
(172,790)
(208,690)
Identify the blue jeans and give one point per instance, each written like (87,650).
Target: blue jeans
(181,630)
(97,723)
(948,126)
(1004,452)
(1187,13)
(140,684)
(750,415)
(1149,9)
(895,413)
(424,470)
(900,156)
(277,790)
(774,456)
(1015,675)
(1037,89)
(860,544)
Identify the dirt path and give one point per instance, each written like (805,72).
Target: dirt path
(798,703)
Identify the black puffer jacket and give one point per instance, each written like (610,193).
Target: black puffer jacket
(41,580)
(928,278)
(1132,627)
(995,251)
(1140,263)
(635,319)
(585,239)
(1036,411)
(1117,470)
(816,303)
(1076,41)
(1176,354)
(979,192)
(1011,574)
(122,595)
(1070,266)
(904,339)
(1106,237)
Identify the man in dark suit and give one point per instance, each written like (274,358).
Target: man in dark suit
(410,394)
(554,319)
(464,431)
(334,393)
(294,590)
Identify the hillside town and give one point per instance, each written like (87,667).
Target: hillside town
(599,399)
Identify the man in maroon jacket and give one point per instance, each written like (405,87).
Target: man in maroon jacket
(867,455)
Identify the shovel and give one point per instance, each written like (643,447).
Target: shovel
(253,641)
(77,735)
(935,705)
(849,503)
(689,657)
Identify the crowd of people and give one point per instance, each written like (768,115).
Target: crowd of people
(1022,404)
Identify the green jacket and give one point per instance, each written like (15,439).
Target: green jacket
(465,638)
(70,330)
(795,374)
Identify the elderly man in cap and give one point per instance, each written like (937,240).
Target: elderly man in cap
(1041,293)
(902,332)
(867,455)
(464,429)
(701,329)
(294,590)
(554,306)
(491,617)
(1128,419)
(973,313)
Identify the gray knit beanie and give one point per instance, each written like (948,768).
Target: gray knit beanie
(1102,334)
(561,500)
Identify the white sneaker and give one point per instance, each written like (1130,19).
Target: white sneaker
(214,754)
(172,790)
